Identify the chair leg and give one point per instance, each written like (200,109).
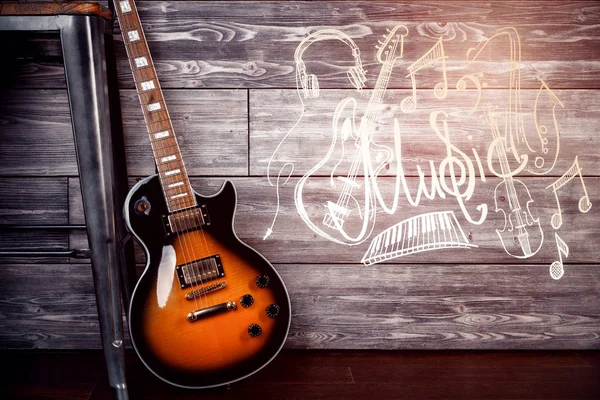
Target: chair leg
(85,68)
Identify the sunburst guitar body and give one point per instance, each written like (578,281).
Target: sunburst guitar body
(208,310)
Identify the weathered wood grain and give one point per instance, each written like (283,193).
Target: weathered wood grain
(48,306)
(33,201)
(212,128)
(293,242)
(349,307)
(276,115)
(229,73)
(252,44)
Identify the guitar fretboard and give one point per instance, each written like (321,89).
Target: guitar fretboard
(167,155)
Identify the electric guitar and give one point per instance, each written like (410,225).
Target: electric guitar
(208,309)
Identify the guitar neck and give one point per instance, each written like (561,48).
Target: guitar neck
(167,155)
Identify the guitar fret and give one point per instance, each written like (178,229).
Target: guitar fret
(161,135)
(133,35)
(172,172)
(166,152)
(169,166)
(170,144)
(141,62)
(158,126)
(136,49)
(179,195)
(148,85)
(125,6)
(160,115)
(173,176)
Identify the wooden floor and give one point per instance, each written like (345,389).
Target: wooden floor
(325,375)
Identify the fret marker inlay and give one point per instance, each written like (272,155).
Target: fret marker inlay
(179,195)
(148,85)
(172,172)
(153,107)
(141,62)
(133,36)
(173,185)
(168,158)
(161,135)
(125,6)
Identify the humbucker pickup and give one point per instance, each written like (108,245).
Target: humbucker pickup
(187,220)
(200,271)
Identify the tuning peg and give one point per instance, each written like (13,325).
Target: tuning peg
(380,42)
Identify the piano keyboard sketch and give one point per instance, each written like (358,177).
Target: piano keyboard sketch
(430,231)
(517,141)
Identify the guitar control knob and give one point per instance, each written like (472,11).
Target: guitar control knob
(254,330)
(262,281)
(142,206)
(247,300)
(272,310)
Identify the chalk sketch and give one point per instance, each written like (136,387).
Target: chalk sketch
(542,131)
(430,231)
(345,211)
(351,196)
(557,267)
(520,227)
(584,202)
(307,86)
(440,91)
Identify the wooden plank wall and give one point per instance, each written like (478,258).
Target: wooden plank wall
(229,78)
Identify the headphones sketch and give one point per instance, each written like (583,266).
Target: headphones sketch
(309,82)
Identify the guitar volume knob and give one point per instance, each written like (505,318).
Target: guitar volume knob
(247,300)
(262,281)
(272,310)
(254,330)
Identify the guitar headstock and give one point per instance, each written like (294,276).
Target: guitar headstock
(386,51)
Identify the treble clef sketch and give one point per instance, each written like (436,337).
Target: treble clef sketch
(349,206)
(520,227)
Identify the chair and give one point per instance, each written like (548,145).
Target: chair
(86,39)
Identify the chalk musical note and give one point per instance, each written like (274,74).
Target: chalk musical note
(584,202)
(440,91)
(556,268)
